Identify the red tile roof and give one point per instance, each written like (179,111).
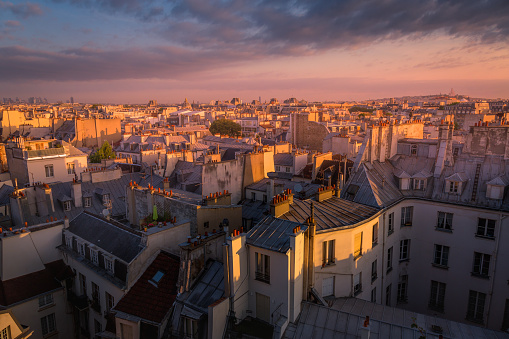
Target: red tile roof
(30,285)
(147,301)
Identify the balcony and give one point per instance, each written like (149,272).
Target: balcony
(262,277)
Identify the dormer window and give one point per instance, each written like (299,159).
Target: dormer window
(454,187)
(419,184)
(81,249)
(87,202)
(106,199)
(108,264)
(94,255)
(404,180)
(68,241)
(455,183)
(67,205)
(495,188)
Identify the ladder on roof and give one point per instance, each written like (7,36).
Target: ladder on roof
(476,182)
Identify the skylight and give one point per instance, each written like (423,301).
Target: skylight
(157,277)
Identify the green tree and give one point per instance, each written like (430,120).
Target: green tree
(105,152)
(225,127)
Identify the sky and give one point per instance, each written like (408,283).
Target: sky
(132,51)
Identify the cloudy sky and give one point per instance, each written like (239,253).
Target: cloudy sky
(131,51)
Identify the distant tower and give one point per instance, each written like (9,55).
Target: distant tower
(72,100)
(452,93)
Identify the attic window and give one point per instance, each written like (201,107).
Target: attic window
(106,199)
(88,202)
(158,276)
(67,205)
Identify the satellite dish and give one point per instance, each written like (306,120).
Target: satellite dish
(106,212)
(298,188)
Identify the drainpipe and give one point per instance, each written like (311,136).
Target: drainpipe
(311,261)
(495,253)
(383,260)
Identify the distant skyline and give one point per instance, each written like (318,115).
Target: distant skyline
(132,51)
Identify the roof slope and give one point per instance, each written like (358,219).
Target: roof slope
(273,234)
(112,238)
(150,300)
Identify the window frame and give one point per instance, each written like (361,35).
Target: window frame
(481,265)
(483,231)
(441,256)
(374,270)
(357,252)
(67,205)
(87,202)
(436,300)
(390,254)
(404,250)
(48,324)
(328,252)
(476,306)
(390,224)
(407,214)
(444,221)
(402,293)
(374,235)
(262,267)
(49,171)
(109,264)
(46,300)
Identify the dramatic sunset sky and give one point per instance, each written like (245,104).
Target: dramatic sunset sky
(130,51)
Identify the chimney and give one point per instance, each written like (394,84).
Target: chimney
(338,184)
(324,193)
(280,204)
(76,193)
(66,222)
(365,330)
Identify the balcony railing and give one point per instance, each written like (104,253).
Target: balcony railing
(262,277)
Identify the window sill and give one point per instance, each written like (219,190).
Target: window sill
(328,264)
(440,266)
(482,276)
(484,237)
(49,335)
(45,307)
(441,229)
(408,224)
(390,232)
(436,308)
(474,320)
(373,279)
(404,260)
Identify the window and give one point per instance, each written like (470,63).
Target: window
(413,150)
(108,264)
(406,215)
(441,257)
(96,297)
(475,310)
(6,333)
(444,221)
(373,295)
(48,324)
(71,168)
(437,296)
(81,249)
(262,267)
(265,198)
(390,224)
(110,301)
(328,255)
(481,264)
(94,255)
(49,171)
(67,205)
(374,273)
(83,284)
(389,259)
(88,202)
(404,249)
(357,251)
(206,224)
(190,328)
(106,199)
(375,235)
(287,169)
(278,168)
(403,288)
(357,283)
(388,295)
(454,187)
(253,196)
(68,241)
(46,300)
(419,184)
(486,228)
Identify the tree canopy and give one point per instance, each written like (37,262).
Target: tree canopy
(225,127)
(105,152)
